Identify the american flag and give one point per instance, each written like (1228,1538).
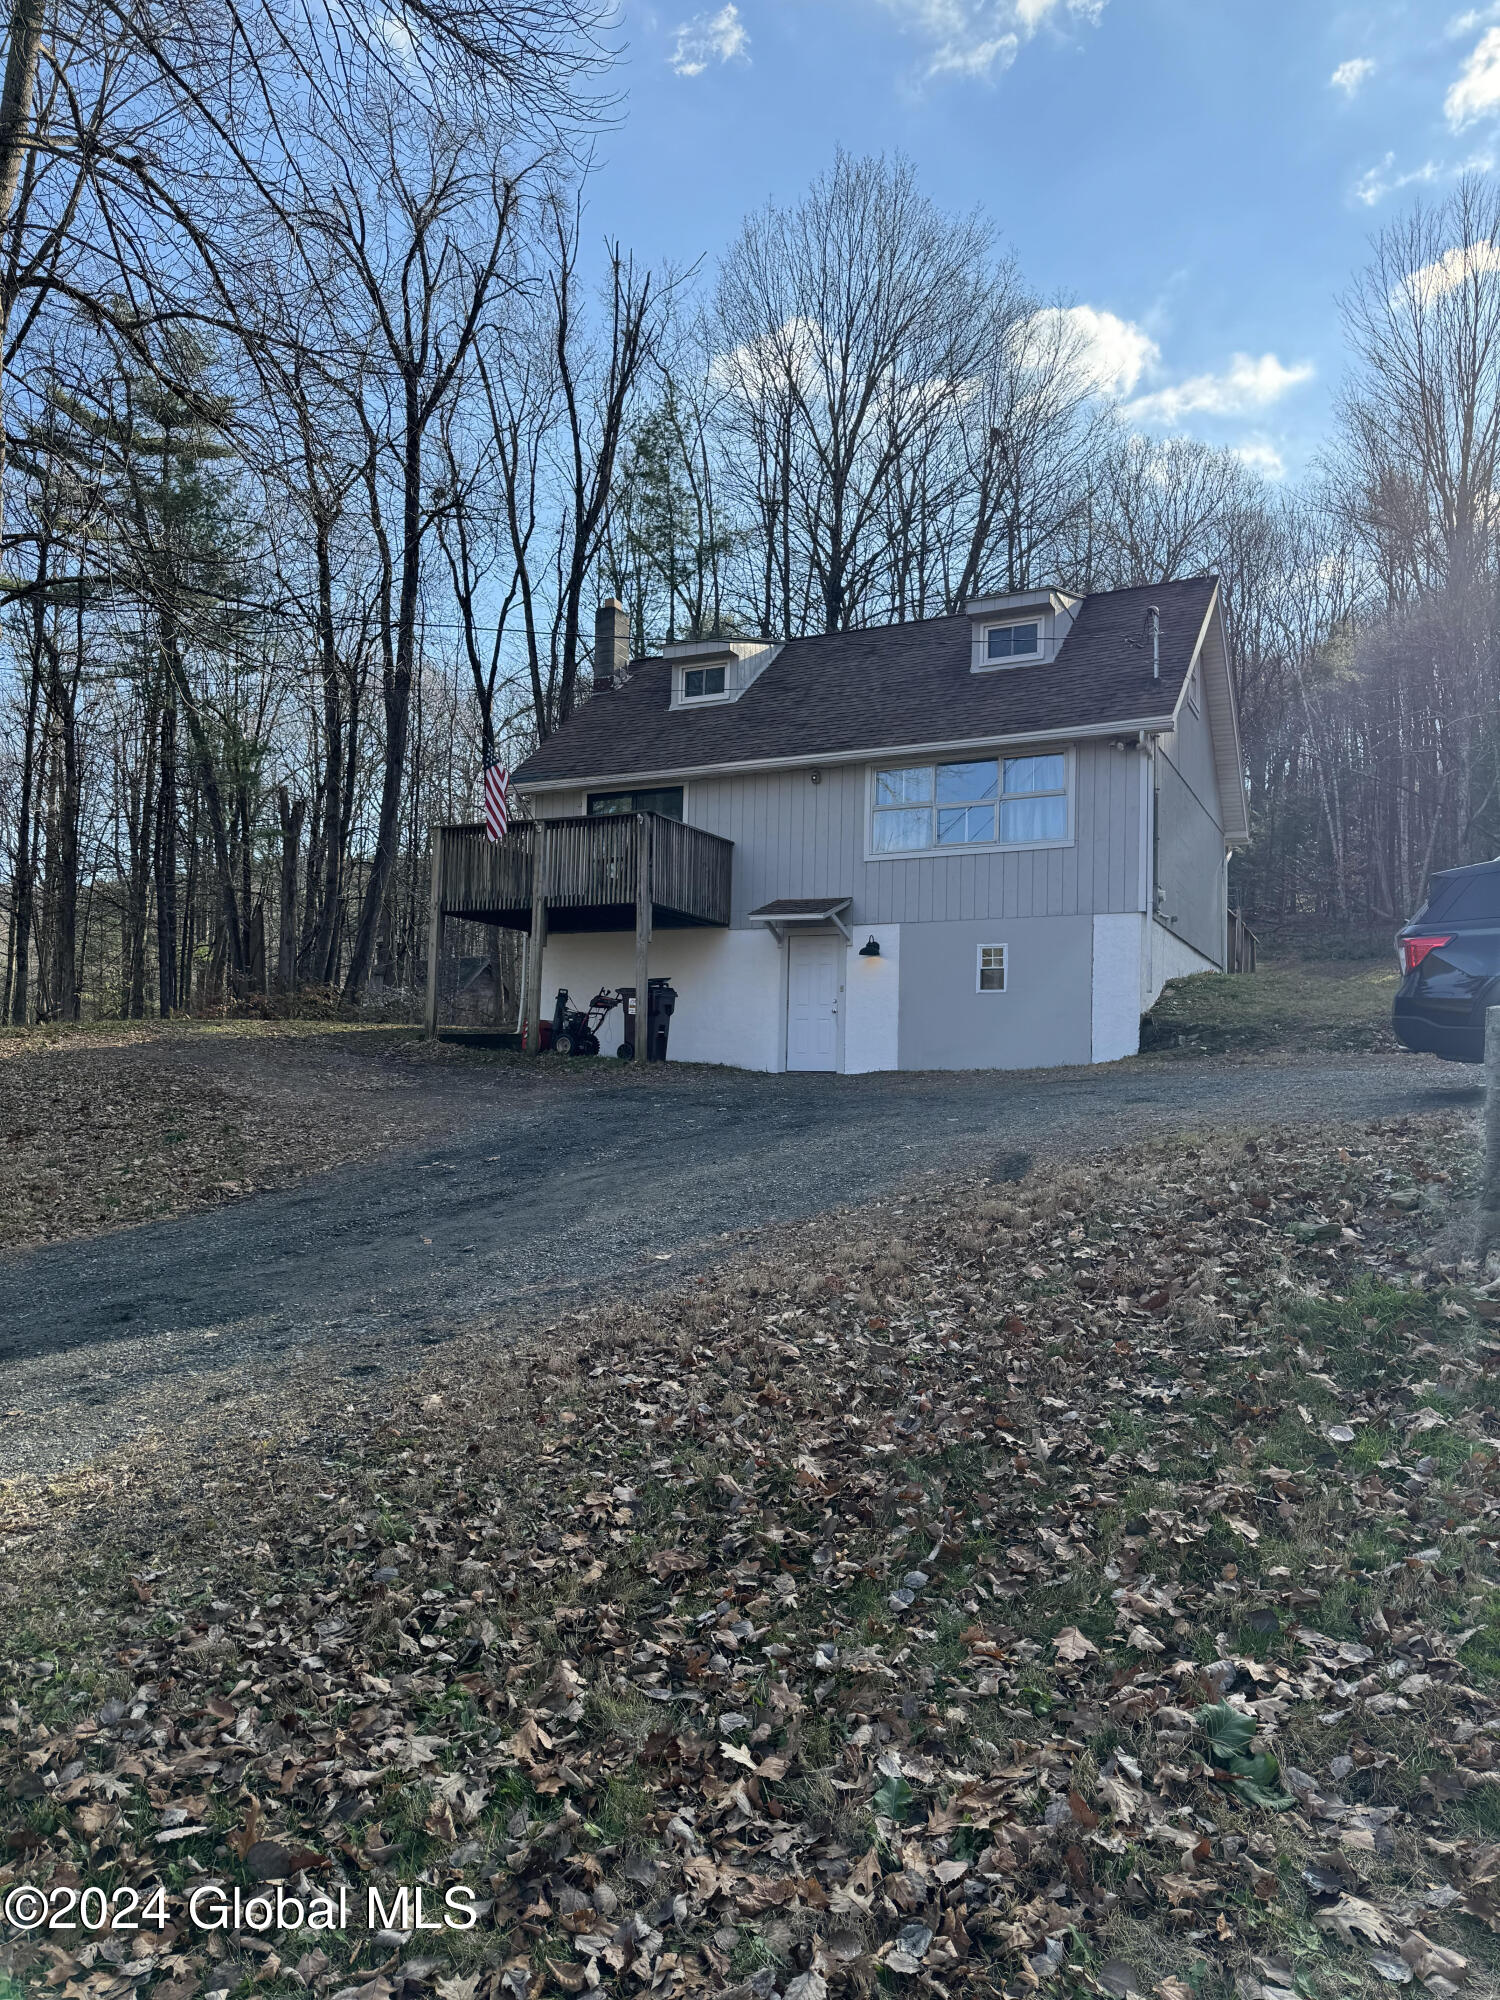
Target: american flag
(496,796)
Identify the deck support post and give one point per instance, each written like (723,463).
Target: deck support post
(538,944)
(434,936)
(643,887)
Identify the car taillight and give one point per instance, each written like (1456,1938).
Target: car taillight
(1414,950)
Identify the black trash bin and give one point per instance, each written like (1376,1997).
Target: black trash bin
(661,1004)
(660,1007)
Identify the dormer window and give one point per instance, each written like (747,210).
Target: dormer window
(707,670)
(1026,628)
(1013,642)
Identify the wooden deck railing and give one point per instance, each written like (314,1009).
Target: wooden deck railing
(1243,945)
(614,872)
(592,864)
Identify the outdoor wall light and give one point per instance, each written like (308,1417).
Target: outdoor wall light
(870,950)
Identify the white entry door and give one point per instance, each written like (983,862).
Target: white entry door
(812,1018)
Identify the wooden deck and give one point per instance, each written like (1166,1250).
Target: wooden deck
(591,869)
(626,872)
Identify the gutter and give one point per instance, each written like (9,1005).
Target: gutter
(1149,725)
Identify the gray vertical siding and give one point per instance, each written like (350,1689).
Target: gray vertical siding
(1190,837)
(795,838)
(1190,748)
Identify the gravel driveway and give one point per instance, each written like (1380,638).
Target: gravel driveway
(539,1195)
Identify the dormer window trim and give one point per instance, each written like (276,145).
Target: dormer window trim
(1050,612)
(709,672)
(700,684)
(1014,655)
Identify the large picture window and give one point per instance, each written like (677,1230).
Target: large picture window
(987,802)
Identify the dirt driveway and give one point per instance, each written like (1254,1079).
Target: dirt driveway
(543,1189)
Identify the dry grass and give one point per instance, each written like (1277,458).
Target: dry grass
(1296,1007)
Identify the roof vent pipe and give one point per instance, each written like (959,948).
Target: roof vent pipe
(1153,626)
(611,644)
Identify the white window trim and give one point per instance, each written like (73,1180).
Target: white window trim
(682,699)
(1191,691)
(1041,618)
(895,762)
(979,952)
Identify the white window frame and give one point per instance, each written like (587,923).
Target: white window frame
(1191,691)
(1039,618)
(979,968)
(974,756)
(685,700)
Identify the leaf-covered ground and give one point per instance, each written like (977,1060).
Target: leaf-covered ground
(1087,1585)
(101,1128)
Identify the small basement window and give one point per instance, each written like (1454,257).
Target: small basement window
(991,969)
(1013,642)
(697,682)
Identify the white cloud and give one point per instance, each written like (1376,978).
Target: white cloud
(968,58)
(1350,75)
(1261,456)
(980,38)
(1108,354)
(709,38)
(1445,274)
(1476,94)
(1377,182)
(1476,17)
(1249,383)
(759,367)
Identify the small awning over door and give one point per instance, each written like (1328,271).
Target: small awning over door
(800,913)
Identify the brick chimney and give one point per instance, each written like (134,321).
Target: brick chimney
(611,644)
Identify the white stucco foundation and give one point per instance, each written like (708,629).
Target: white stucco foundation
(872,1002)
(1118,951)
(1076,990)
(731,991)
(1168,957)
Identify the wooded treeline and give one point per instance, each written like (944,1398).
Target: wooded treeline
(327,422)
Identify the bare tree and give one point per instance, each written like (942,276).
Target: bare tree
(559,398)
(421,252)
(1421,417)
(848,323)
(1158,509)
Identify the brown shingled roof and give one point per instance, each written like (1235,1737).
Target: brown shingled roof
(887,688)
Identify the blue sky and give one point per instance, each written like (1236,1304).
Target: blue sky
(1201,176)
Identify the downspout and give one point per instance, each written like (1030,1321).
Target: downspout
(1148,868)
(1148,822)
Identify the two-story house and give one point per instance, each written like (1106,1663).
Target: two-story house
(983,841)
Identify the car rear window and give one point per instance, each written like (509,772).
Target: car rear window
(1458,899)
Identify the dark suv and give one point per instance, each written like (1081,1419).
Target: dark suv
(1450,956)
